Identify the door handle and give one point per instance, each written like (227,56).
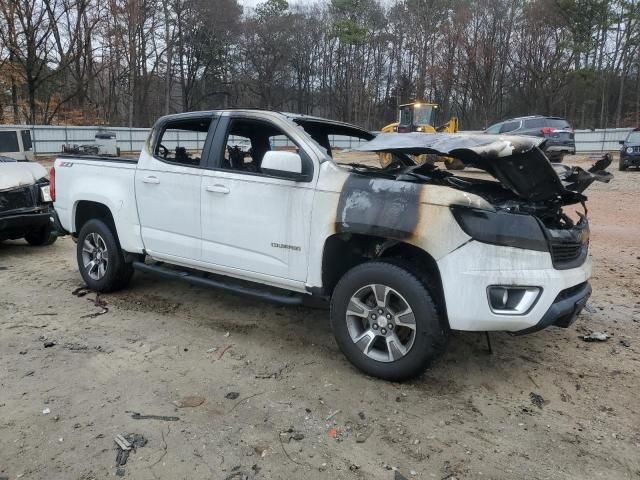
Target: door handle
(218,189)
(151,179)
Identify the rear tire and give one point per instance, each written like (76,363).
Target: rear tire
(366,336)
(100,259)
(41,237)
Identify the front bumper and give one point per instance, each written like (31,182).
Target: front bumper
(564,310)
(630,160)
(17,226)
(468,271)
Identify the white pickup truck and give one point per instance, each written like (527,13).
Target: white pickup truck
(405,253)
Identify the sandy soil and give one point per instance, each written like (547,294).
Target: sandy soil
(263,370)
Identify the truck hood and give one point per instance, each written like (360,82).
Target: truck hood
(517,162)
(13,175)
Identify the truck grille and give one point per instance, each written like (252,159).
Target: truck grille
(567,254)
(19,198)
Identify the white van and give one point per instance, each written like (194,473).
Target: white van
(16,143)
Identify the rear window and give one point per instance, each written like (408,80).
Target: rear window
(9,142)
(556,123)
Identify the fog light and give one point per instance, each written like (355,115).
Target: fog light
(512,300)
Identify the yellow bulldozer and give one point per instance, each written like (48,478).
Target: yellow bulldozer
(419,117)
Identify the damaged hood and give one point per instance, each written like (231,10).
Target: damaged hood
(13,175)
(517,162)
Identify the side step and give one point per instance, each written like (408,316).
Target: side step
(291,299)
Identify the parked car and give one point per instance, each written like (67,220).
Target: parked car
(26,209)
(16,143)
(404,253)
(630,150)
(557,132)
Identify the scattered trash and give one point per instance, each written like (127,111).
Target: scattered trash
(49,344)
(227,334)
(189,402)
(232,395)
(81,291)
(292,434)
(596,337)
(537,399)
(127,443)
(46,411)
(361,415)
(333,415)
(138,416)
(29,373)
(100,303)
(363,435)
(222,352)
(354,466)
(625,343)
(211,350)
(333,432)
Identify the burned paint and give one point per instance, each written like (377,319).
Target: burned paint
(378,206)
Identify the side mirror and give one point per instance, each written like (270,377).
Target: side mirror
(282,164)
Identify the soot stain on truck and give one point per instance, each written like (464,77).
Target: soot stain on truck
(378,206)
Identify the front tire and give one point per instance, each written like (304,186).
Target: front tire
(385,321)
(100,259)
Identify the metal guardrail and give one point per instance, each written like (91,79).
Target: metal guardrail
(48,139)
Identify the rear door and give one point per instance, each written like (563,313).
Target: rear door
(167,185)
(253,222)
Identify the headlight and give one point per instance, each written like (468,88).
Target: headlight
(629,149)
(501,228)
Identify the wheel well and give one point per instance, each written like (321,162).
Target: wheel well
(344,251)
(86,210)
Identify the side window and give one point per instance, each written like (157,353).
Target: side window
(509,126)
(248,140)
(26,140)
(182,141)
(9,142)
(494,129)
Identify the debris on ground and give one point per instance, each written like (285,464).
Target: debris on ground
(81,291)
(596,337)
(625,343)
(333,432)
(290,434)
(223,351)
(49,344)
(100,303)
(127,443)
(46,411)
(398,476)
(232,395)
(139,416)
(333,415)
(189,402)
(537,400)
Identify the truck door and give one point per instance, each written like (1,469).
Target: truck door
(167,185)
(251,221)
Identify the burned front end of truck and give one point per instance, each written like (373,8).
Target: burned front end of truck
(26,208)
(517,247)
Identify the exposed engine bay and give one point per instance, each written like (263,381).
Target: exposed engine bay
(525,181)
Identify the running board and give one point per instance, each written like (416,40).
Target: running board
(207,282)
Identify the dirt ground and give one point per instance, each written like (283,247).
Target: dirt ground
(281,402)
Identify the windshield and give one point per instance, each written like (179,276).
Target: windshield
(422,114)
(634,137)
